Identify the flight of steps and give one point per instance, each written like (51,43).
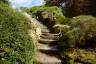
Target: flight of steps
(47,46)
(47,53)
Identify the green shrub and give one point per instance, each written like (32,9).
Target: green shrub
(55,10)
(62,20)
(82,56)
(49,15)
(79,56)
(39,11)
(16,46)
(81,34)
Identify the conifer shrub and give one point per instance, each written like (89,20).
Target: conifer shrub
(16,46)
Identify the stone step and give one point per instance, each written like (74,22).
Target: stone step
(47,59)
(45,30)
(50,34)
(50,52)
(46,41)
(48,37)
(46,47)
(43,27)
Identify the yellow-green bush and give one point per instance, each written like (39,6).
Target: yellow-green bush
(49,15)
(76,42)
(16,46)
(79,56)
(82,33)
(82,57)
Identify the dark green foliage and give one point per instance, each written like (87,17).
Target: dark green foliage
(16,46)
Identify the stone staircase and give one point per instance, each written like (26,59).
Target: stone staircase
(48,52)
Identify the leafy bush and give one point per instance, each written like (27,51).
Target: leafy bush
(16,46)
(79,56)
(82,57)
(48,15)
(55,10)
(43,10)
(62,20)
(81,34)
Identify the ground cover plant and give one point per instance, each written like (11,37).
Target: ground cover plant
(16,46)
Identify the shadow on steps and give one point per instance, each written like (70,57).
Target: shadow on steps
(54,53)
(44,41)
(51,52)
